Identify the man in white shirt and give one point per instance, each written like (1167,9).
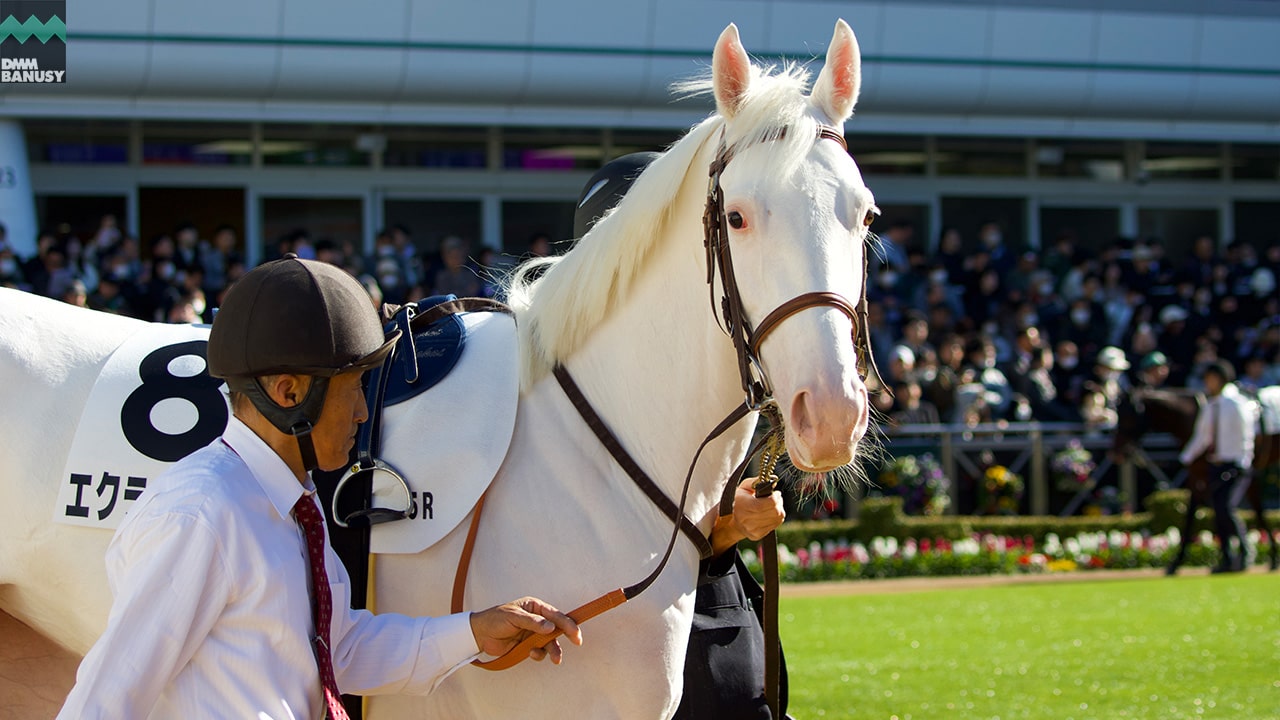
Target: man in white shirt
(229,602)
(1224,433)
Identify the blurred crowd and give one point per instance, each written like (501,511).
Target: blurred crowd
(180,276)
(961,336)
(967,336)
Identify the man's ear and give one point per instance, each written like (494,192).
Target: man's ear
(285,390)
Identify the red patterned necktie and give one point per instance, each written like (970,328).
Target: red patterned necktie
(321,602)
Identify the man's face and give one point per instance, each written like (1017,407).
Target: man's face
(344,409)
(1212,383)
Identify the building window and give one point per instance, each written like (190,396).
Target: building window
(1255,162)
(982,156)
(437,147)
(1182,161)
(626,142)
(318,145)
(1100,160)
(81,142)
(551,149)
(880,155)
(196,144)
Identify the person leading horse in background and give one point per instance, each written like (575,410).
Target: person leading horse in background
(1175,412)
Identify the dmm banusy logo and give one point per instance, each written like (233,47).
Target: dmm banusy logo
(33,41)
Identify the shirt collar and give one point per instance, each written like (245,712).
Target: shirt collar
(269,469)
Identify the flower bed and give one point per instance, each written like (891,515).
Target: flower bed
(886,557)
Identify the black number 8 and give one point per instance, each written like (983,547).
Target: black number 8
(159,384)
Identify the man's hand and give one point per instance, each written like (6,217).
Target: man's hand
(501,628)
(752,518)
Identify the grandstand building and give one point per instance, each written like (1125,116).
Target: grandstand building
(483,119)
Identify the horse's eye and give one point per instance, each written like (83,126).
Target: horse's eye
(735,220)
(870,217)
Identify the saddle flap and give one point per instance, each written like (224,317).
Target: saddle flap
(449,441)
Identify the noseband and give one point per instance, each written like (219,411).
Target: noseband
(747,340)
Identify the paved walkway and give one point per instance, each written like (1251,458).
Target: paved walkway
(35,674)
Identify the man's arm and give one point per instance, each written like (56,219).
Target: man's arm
(1200,438)
(389,653)
(170,586)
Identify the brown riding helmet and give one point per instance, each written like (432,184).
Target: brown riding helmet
(301,317)
(295,316)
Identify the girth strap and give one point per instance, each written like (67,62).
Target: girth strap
(628,464)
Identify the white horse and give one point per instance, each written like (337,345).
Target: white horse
(627,313)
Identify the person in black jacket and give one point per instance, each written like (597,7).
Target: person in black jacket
(724,664)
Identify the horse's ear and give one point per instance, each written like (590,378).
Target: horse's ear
(836,91)
(730,70)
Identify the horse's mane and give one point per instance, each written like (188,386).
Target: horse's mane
(558,310)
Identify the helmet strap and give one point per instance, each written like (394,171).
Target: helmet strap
(297,421)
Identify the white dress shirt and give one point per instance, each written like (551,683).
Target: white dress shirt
(212,611)
(1232,415)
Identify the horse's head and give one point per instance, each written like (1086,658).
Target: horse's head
(796,215)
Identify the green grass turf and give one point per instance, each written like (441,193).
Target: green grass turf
(1184,647)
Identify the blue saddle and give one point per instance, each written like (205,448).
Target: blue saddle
(424,355)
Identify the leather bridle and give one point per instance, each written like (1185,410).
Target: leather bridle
(730,312)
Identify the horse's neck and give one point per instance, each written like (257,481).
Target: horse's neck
(1175,415)
(662,374)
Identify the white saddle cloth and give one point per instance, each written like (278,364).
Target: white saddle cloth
(449,442)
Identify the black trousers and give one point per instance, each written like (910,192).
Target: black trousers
(724,666)
(1228,484)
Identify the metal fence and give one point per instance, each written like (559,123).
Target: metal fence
(1027,449)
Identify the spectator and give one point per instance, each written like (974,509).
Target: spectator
(1102,389)
(1198,268)
(11,275)
(1059,259)
(941,389)
(217,257)
(910,409)
(902,362)
(1084,326)
(951,255)
(915,333)
(1153,371)
(895,244)
(187,243)
(980,367)
(1256,376)
(456,277)
(1030,376)
(109,297)
(75,294)
(992,237)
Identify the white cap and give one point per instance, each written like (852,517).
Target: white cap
(1172,314)
(1112,358)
